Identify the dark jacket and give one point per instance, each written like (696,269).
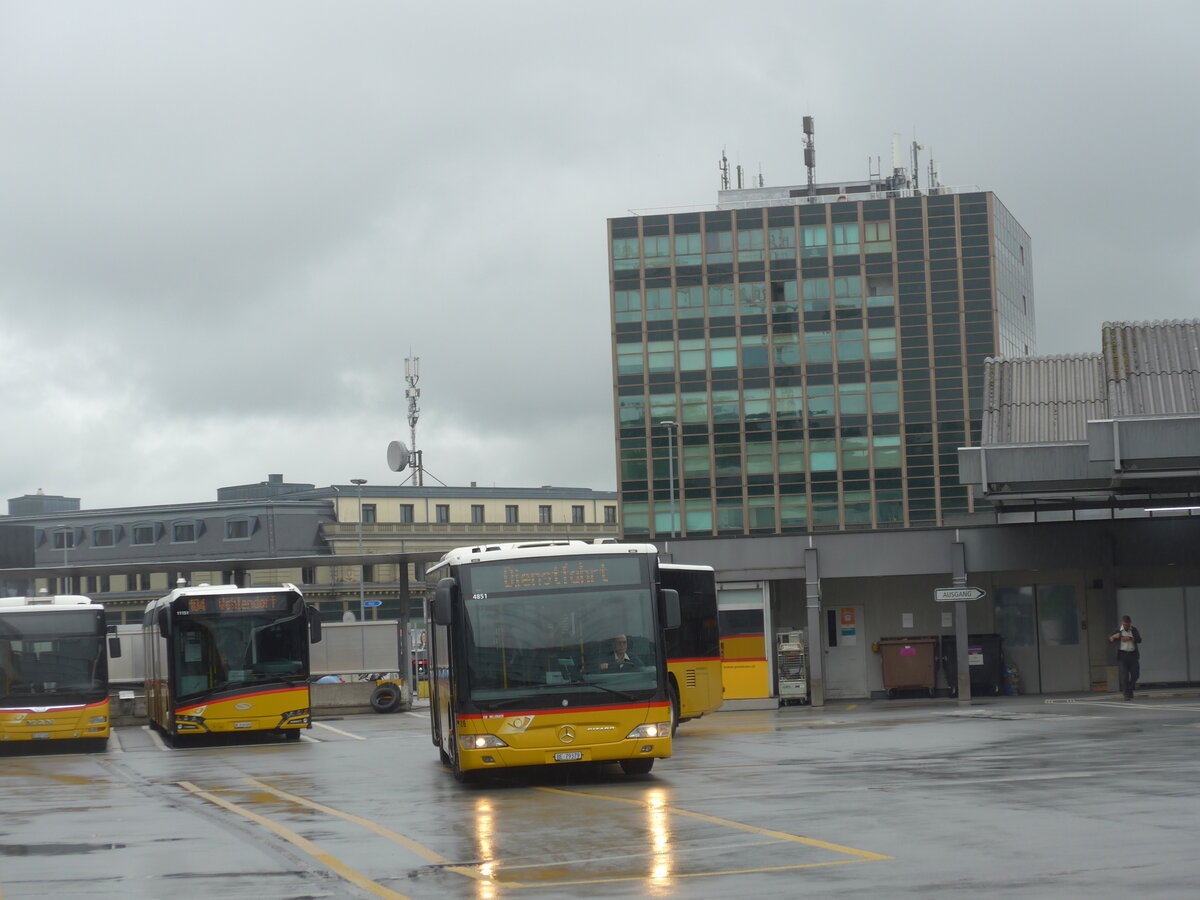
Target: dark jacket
(1137,639)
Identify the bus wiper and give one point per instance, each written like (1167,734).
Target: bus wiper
(604,687)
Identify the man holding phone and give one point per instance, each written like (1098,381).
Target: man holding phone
(1128,655)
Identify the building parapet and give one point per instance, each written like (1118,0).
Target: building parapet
(799,197)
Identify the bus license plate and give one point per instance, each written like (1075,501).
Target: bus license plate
(41,736)
(570,756)
(243,724)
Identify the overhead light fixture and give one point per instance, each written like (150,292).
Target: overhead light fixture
(1170,508)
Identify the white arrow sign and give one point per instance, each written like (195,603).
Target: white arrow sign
(964,593)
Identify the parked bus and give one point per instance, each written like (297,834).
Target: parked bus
(548,653)
(222,659)
(694,648)
(54,670)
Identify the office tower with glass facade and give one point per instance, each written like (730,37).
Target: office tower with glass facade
(809,358)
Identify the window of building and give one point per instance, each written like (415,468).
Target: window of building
(850,345)
(625,253)
(659,304)
(476,513)
(368,514)
(576,515)
(847,292)
(237,529)
(720,299)
(814,239)
(687,249)
(368,573)
(510,515)
(782,242)
(845,240)
(629,359)
(852,399)
(723,353)
(104,537)
(442,513)
(719,246)
(750,245)
(657,250)
(63,539)
(877,237)
(308,575)
(628,306)
(610,515)
(692,355)
(660,355)
(406,513)
(142,535)
(183,533)
(784,298)
(689,301)
(882,342)
(816,294)
(544,515)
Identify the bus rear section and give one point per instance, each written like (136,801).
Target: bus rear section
(549,654)
(222,660)
(53,670)
(694,648)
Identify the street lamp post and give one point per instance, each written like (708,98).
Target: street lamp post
(66,539)
(362,606)
(671,426)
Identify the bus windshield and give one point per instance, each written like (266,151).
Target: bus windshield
(52,658)
(216,651)
(597,640)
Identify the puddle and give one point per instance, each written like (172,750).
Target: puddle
(54,849)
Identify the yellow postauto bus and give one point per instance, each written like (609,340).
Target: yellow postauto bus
(694,648)
(54,670)
(222,659)
(549,653)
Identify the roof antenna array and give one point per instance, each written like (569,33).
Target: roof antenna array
(724,167)
(399,456)
(810,155)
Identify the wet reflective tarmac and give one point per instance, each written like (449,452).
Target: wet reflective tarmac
(1009,797)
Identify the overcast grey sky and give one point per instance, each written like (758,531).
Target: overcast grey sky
(224,225)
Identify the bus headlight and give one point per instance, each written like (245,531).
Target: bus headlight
(650,730)
(480,741)
(97,720)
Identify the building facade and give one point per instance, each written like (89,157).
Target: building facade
(345,546)
(796,361)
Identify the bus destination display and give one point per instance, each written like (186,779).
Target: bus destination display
(547,574)
(239,603)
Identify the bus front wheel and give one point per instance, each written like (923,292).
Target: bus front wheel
(674,697)
(640,766)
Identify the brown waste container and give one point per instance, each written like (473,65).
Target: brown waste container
(909,664)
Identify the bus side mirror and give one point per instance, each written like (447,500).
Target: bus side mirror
(443,599)
(114,647)
(670,608)
(314,624)
(164,621)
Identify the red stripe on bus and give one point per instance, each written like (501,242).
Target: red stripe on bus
(297,690)
(573,710)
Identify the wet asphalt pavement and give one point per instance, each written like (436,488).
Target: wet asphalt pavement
(1008,797)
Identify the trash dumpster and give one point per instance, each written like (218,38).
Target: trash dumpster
(909,664)
(985,656)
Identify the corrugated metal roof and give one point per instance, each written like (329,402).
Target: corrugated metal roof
(1152,368)
(1042,398)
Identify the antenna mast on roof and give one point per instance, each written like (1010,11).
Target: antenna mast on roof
(810,155)
(723,165)
(412,374)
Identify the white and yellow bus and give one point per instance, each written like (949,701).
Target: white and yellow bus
(223,659)
(550,653)
(54,670)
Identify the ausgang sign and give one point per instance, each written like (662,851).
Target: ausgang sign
(944,595)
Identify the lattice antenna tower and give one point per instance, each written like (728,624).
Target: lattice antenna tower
(412,375)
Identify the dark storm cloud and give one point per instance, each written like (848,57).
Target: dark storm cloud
(225,225)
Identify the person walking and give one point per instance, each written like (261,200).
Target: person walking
(1127,639)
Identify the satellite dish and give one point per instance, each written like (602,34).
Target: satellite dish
(398,456)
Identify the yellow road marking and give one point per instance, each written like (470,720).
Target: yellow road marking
(408,843)
(729,823)
(852,706)
(328,860)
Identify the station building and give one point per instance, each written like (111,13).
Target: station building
(350,548)
(796,372)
